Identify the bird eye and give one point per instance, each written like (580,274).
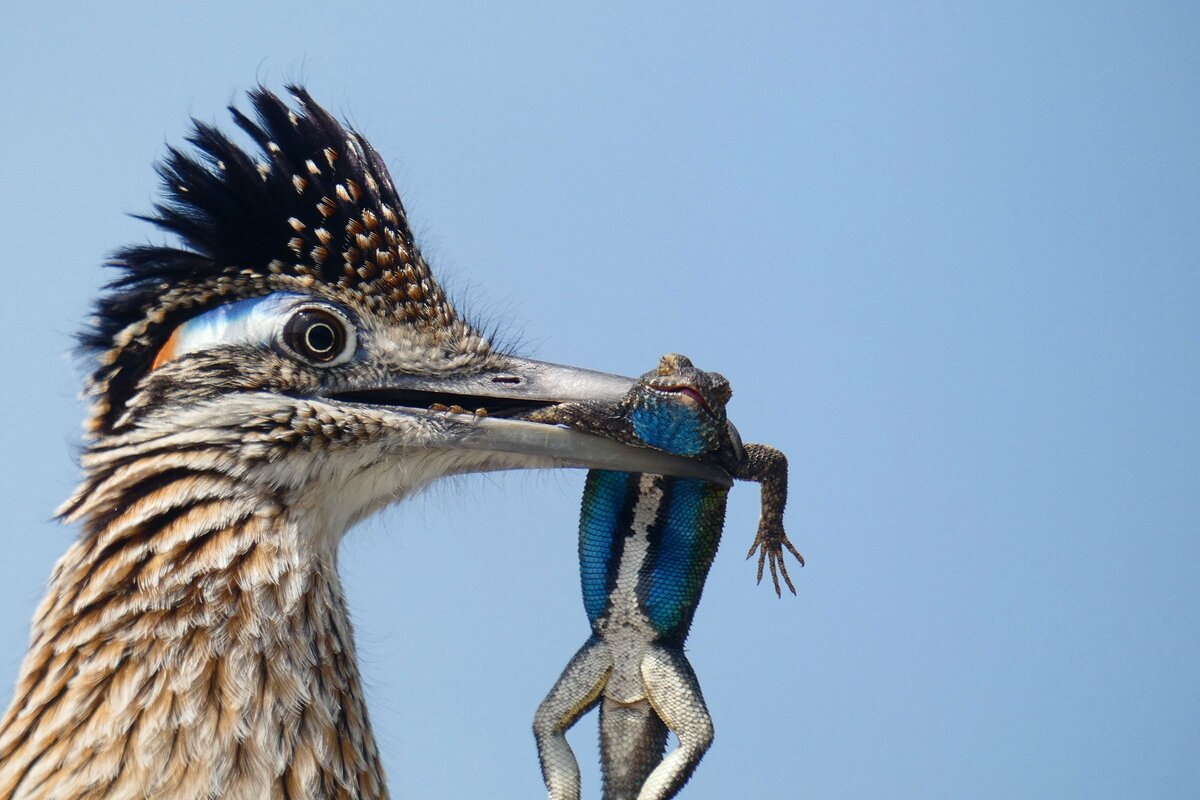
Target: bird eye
(318,335)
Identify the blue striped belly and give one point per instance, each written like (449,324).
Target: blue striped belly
(670,552)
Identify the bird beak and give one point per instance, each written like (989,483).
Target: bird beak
(521,385)
(568,448)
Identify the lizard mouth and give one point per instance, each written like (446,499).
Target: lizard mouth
(688,395)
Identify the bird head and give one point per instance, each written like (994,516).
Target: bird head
(297,334)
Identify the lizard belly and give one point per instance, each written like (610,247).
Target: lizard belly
(646,543)
(624,624)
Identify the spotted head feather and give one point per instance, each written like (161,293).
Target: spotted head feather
(315,210)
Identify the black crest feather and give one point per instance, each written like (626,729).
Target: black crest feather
(317,205)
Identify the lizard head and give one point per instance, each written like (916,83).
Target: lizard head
(680,408)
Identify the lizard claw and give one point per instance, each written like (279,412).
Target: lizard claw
(770,552)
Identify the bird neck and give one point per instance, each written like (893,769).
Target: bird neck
(194,640)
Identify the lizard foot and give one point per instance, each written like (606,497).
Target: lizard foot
(770,550)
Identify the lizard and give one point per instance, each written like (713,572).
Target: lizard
(646,543)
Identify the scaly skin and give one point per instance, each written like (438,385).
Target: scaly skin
(646,544)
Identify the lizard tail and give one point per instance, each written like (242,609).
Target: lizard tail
(632,740)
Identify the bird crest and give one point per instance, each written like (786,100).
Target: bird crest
(314,210)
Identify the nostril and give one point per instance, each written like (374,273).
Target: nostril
(506,379)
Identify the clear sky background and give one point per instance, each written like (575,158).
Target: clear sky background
(948,255)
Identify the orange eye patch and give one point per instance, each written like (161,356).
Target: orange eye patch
(167,351)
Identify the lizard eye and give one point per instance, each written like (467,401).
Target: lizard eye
(319,336)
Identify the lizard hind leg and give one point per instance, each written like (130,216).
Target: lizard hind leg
(632,740)
(673,690)
(574,694)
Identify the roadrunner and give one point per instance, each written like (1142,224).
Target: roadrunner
(290,368)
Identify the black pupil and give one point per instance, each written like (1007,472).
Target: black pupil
(320,337)
(316,335)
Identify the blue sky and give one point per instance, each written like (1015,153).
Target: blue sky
(947,254)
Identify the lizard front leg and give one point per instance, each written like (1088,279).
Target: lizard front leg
(674,693)
(576,691)
(608,420)
(767,466)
